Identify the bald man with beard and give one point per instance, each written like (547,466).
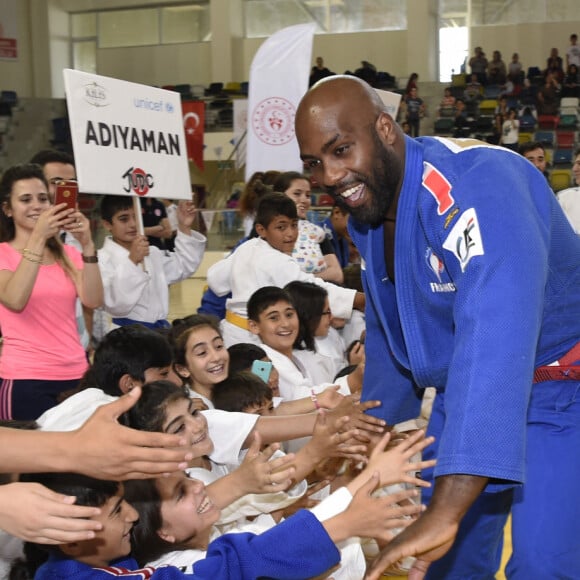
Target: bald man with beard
(472,279)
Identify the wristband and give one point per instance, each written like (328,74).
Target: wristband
(90,259)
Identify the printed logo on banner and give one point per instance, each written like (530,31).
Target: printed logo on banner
(137,180)
(154,106)
(464,240)
(273,121)
(96,95)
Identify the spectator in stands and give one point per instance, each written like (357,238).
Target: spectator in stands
(496,70)
(406,128)
(258,184)
(478,65)
(447,104)
(549,96)
(411,84)
(573,52)
(415,111)
(155,223)
(554,65)
(367,72)
(510,131)
(461,120)
(473,93)
(319,71)
(535,153)
(515,70)
(571,84)
(570,198)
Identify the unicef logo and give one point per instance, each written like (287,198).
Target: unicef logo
(273,121)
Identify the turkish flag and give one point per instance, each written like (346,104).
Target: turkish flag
(193,122)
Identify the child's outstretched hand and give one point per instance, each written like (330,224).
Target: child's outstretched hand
(258,473)
(351,407)
(373,517)
(376,517)
(330,439)
(393,465)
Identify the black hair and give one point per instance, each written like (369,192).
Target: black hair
(530,146)
(88,492)
(240,391)
(264,298)
(149,412)
(52,156)
(128,350)
(9,178)
(111,204)
(308,299)
(146,543)
(284,180)
(273,205)
(182,328)
(242,355)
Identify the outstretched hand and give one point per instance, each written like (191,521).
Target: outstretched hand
(259,473)
(105,449)
(35,513)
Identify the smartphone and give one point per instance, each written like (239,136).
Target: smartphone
(262,369)
(66,192)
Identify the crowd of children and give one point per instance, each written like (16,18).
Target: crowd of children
(206,448)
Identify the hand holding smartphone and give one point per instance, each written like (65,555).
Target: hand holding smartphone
(66,192)
(262,369)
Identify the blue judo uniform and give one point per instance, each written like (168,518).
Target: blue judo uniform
(297,548)
(486,289)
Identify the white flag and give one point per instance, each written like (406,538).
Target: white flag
(278,80)
(208,215)
(240,130)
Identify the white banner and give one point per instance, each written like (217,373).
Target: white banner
(127,138)
(391,101)
(278,80)
(240,128)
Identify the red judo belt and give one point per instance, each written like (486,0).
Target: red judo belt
(562,369)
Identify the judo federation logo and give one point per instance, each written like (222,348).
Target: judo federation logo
(273,121)
(464,240)
(434,263)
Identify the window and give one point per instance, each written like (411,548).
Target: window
(264,17)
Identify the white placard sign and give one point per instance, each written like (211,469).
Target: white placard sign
(391,101)
(127,138)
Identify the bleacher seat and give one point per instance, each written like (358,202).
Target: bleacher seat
(61,134)
(226,118)
(527,123)
(562,157)
(569,102)
(525,138)
(546,138)
(484,123)
(214,89)
(487,106)
(444,126)
(184,91)
(244,87)
(458,80)
(567,122)
(565,139)
(9,98)
(491,91)
(560,179)
(548,121)
(233,88)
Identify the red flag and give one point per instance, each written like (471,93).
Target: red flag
(193,122)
